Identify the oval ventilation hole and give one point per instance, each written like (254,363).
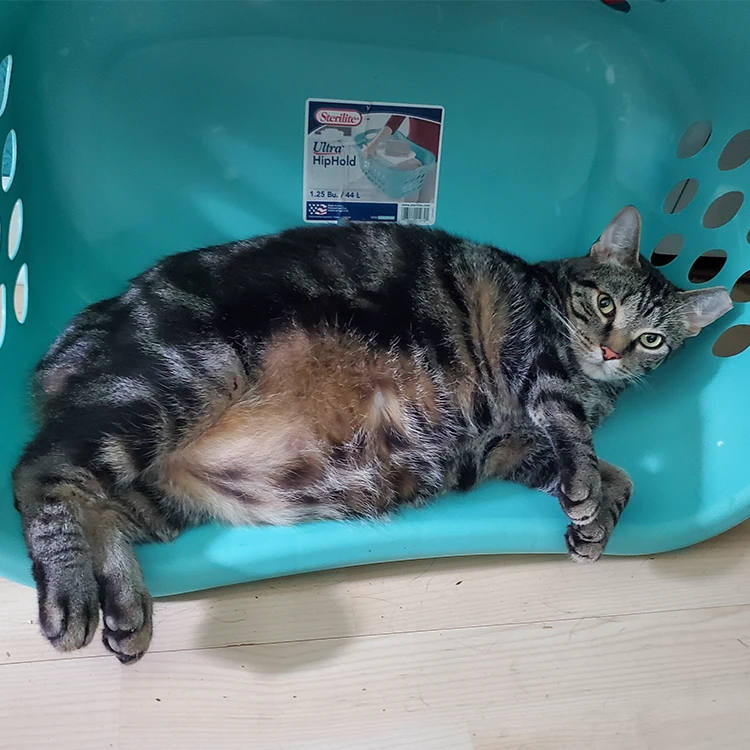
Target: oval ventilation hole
(707,266)
(15,229)
(2,314)
(736,152)
(680,195)
(733,341)
(21,294)
(5,68)
(741,289)
(667,249)
(622,5)
(723,209)
(695,139)
(9,160)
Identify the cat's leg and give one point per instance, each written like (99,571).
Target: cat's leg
(539,470)
(586,542)
(554,408)
(79,538)
(51,496)
(127,608)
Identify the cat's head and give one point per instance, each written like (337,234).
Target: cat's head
(624,317)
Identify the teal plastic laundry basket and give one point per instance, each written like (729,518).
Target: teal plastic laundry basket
(146,128)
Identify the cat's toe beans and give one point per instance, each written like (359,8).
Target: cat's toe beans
(125,616)
(127,646)
(128,626)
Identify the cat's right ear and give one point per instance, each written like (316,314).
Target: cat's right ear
(621,241)
(701,307)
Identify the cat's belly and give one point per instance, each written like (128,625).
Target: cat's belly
(330,429)
(257,466)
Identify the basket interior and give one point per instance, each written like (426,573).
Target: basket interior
(142,129)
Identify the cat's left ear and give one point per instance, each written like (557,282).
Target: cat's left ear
(621,241)
(701,307)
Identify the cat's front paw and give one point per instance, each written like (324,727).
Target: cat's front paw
(586,543)
(581,495)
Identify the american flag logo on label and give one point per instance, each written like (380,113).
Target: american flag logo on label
(317,209)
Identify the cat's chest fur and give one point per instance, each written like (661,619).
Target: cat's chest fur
(508,440)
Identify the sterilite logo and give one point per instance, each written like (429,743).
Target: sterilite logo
(329,116)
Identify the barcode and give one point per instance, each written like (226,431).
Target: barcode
(415,213)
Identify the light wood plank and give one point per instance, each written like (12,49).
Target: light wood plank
(524,653)
(665,680)
(661,681)
(73,705)
(423,595)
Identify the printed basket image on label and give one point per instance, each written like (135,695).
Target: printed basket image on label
(371,161)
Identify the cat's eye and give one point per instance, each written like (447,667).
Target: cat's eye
(606,305)
(651,340)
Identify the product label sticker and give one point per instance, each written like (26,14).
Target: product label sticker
(371,161)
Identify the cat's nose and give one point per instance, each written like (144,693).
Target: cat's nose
(609,354)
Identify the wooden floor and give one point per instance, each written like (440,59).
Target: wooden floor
(520,652)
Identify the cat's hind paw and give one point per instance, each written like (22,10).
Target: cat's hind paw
(127,621)
(68,604)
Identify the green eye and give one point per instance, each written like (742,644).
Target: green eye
(651,340)
(606,304)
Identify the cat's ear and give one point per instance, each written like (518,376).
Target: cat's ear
(621,240)
(702,307)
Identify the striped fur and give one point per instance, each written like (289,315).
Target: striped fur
(327,373)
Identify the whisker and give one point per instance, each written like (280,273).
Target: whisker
(573,333)
(636,379)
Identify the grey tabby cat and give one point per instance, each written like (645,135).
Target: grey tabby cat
(329,373)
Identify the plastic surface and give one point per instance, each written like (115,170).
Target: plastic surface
(147,128)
